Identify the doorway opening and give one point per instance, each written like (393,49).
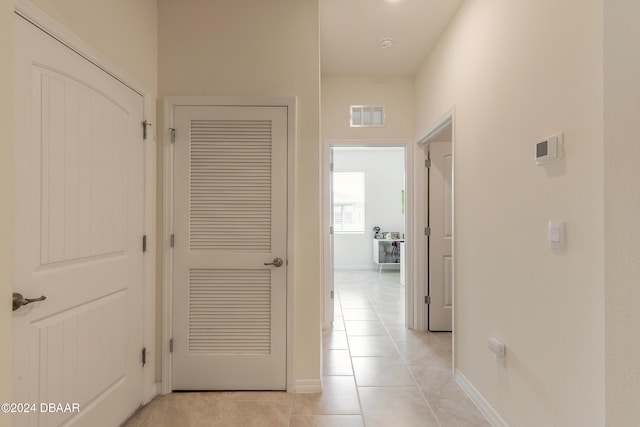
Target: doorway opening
(367,216)
(436,250)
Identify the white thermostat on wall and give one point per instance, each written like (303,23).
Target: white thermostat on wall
(549,149)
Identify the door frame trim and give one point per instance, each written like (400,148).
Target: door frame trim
(422,144)
(410,203)
(36,16)
(170,102)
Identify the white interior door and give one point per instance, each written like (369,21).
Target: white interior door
(230,221)
(79,224)
(440,221)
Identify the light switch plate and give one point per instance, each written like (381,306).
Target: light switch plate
(556,234)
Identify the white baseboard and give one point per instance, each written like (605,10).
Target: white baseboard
(367,267)
(492,415)
(153,392)
(355,267)
(386,267)
(307,386)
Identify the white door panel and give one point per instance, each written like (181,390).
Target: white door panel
(229,308)
(79,223)
(440,221)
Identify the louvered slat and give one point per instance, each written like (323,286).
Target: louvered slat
(229,311)
(230,185)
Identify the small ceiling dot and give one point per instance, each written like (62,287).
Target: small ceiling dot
(386,43)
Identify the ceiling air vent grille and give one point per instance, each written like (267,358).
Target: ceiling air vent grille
(367,116)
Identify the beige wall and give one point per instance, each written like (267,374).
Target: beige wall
(124,31)
(622,210)
(517,72)
(395,94)
(6,194)
(258,48)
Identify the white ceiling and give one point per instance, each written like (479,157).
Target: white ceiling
(350,31)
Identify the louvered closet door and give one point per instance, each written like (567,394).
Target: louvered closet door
(230,186)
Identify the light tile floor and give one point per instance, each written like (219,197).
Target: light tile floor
(375,373)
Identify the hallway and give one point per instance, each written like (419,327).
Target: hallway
(376,373)
(401,377)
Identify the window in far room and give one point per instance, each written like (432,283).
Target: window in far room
(348,202)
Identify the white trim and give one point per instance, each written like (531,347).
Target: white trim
(454,256)
(167,253)
(419,243)
(150,266)
(422,150)
(410,299)
(327,307)
(308,386)
(53,28)
(478,399)
(439,126)
(292,109)
(169,103)
(152,392)
(422,145)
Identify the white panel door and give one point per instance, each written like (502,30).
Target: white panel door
(78,229)
(440,221)
(230,221)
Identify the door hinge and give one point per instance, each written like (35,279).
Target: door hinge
(144,356)
(427,231)
(144,243)
(172,241)
(331,294)
(144,129)
(427,163)
(330,167)
(171,345)
(172,132)
(331,229)
(427,299)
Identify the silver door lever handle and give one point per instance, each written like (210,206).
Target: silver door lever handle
(19,300)
(277,262)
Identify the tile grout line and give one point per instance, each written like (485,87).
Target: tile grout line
(291,402)
(405,362)
(353,371)
(356,288)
